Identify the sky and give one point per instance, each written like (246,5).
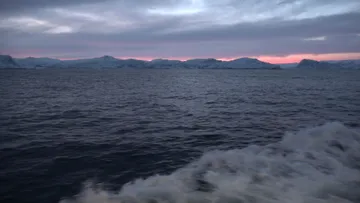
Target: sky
(276,31)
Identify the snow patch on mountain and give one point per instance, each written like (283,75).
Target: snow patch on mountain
(101,62)
(203,63)
(31,62)
(164,63)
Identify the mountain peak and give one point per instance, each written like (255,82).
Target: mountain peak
(107,57)
(5,57)
(7,61)
(246,59)
(308,63)
(308,60)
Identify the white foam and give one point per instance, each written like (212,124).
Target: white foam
(320,164)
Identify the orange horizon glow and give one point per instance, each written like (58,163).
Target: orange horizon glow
(293,58)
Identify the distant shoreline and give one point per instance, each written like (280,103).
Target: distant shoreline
(7,61)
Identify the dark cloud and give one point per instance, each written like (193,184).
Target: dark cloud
(25,6)
(16,6)
(323,26)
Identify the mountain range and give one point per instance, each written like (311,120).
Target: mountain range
(7,61)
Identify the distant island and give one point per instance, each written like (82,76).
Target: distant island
(7,61)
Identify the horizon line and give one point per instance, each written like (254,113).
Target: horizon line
(286,59)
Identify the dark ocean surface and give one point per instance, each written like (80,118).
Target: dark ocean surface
(129,135)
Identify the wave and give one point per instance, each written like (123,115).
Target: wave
(320,164)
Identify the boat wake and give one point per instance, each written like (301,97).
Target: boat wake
(320,164)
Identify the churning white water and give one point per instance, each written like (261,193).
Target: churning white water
(320,164)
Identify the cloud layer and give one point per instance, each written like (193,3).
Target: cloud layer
(179,28)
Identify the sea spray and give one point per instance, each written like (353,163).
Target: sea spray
(319,164)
